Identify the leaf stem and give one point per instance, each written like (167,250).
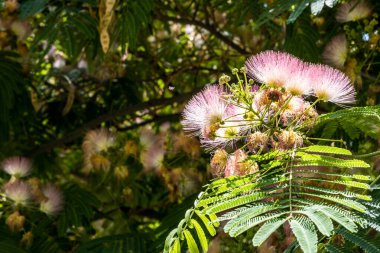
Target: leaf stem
(368,155)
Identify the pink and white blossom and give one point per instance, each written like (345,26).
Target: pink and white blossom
(54,200)
(204,110)
(336,50)
(353,10)
(331,85)
(272,68)
(18,191)
(98,140)
(17,166)
(298,83)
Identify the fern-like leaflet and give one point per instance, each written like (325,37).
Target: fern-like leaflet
(304,187)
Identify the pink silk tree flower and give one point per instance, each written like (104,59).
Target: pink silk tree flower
(227,132)
(331,85)
(17,166)
(234,162)
(204,111)
(298,83)
(335,52)
(98,140)
(53,203)
(353,10)
(18,191)
(225,136)
(272,68)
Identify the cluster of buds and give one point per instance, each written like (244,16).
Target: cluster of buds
(269,107)
(19,193)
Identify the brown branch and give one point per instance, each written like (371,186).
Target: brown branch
(109,117)
(157,118)
(207,27)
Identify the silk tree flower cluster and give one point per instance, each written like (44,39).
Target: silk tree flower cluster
(269,107)
(20,193)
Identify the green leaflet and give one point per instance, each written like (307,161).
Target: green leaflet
(345,176)
(248,188)
(191,244)
(201,235)
(332,249)
(362,242)
(348,217)
(322,221)
(356,120)
(248,214)
(176,248)
(242,227)
(238,201)
(206,222)
(169,240)
(266,230)
(305,233)
(214,219)
(354,184)
(343,201)
(337,216)
(307,159)
(336,192)
(327,150)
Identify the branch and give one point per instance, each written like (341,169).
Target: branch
(157,118)
(109,117)
(207,27)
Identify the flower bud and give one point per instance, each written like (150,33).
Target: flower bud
(128,194)
(224,79)
(27,239)
(121,172)
(131,149)
(218,162)
(15,221)
(234,162)
(100,162)
(289,139)
(257,141)
(247,167)
(243,70)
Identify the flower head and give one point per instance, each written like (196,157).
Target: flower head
(335,52)
(332,85)
(153,149)
(204,111)
(97,141)
(54,200)
(227,131)
(18,191)
(353,10)
(287,140)
(234,162)
(17,166)
(298,83)
(297,109)
(257,141)
(272,68)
